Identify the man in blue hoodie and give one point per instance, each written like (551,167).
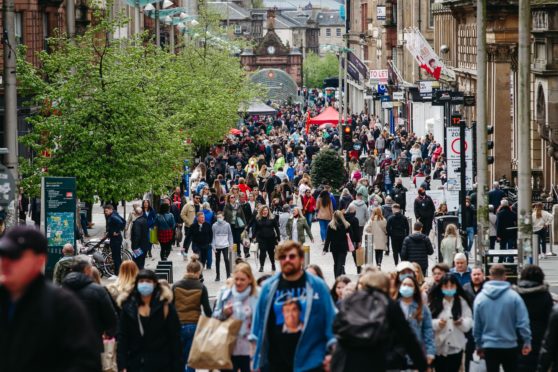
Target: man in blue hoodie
(500,316)
(293,321)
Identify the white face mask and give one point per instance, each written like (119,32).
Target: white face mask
(220,218)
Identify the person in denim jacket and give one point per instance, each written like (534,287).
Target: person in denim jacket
(292,326)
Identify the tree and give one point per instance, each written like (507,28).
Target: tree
(115,113)
(317,68)
(327,168)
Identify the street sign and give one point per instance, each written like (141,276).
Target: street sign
(382,89)
(387,104)
(425,87)
(7,187)
(379,76)
(398,96)
(381,12)
(469,101)
(58,215)
(453,147)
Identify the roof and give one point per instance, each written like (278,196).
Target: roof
(329,19)
(257,107)
(282,22)
(302,4)
(234,13)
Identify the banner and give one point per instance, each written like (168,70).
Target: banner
(425,56)
(351,70)
(359,65)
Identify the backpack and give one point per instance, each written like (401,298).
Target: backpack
(121,222)
(362,320)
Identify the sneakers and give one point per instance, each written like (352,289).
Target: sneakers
(261,269)
(542,256)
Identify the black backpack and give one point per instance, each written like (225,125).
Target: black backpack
(362,319)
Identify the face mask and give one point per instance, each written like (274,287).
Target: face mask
(421,193)
(404,276)
(406,291)
(220,218)
(449,292)
(145,289)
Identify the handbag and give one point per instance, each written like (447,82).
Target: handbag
(108,356)
(178,234)
(213,343)
(360,256)
(350,243)
(153,236)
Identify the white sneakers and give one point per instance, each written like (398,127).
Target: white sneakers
(542,256)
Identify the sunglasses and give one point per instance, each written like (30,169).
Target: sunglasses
(290,257)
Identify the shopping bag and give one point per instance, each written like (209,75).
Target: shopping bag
(108,356)
(350,243)
(253,247)
(360,256)
(153,236)
(477,364)
(213,343)
(178,234)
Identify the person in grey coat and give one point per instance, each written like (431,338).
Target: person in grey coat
(222,241)
(284,217)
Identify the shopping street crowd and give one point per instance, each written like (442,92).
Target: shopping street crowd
(254,193)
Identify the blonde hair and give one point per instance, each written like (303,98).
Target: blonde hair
(338,218)
(451,230)
(418,273)
(246,269)
(127,275)
(260,210)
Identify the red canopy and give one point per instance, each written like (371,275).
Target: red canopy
(235,131)
(329,116)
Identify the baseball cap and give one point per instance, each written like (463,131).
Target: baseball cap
(21,238)
(403,265)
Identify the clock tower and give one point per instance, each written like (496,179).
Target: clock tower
(271,53)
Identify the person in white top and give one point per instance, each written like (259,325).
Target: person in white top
(541,221)
(452,318)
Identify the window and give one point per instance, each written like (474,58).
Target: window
(237,29)
(363,17)
(18,28)
(328,32)
(431,15)
(338,32)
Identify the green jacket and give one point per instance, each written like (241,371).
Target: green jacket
(301,226)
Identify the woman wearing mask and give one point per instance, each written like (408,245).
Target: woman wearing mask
(148,335)
(452,318)
(324,207)
(541,221)
(267,234)
(165,224)
(451,244)
(150,214)
(234,215)
(239,301)
(337,242)
(376,227)
(190,298)
(296,226)
(417,314)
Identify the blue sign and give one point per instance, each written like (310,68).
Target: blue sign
(382,89)
(186,178)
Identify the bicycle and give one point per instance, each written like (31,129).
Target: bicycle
(101,254)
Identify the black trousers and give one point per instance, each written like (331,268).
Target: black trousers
(116,250)
(241,363)
(379,256)
(187,238)
(165,250)
(339,259)
(449,363)
(267,247)
(397,245)
(225,253)
(507,358)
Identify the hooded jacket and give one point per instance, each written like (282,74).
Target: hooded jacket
(222,235)
(416,248)
(361,211)
(500,315)
(96,300)
(397,226)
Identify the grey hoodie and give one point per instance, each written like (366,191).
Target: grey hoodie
(361,211)
(222,235)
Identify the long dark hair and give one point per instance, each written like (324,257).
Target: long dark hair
(436,298)
(417,297)
(325,201)
(146,274)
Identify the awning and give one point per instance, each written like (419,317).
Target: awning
(329,116)
(258,108)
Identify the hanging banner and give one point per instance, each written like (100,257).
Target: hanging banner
(424,55)
(359,65)
(351,70)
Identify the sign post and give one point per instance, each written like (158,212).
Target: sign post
(58,216)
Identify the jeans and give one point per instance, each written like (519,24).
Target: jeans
(505,244)
(397,245)
(505,357)
(542,239)
(309,218)
(323,229)
(205,254)
(339,259)
(225,253)
(389,188)
(470,239)
(187,332)
(116,250)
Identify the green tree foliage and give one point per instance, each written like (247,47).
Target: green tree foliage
(317,68)
(115,114)
(327,168)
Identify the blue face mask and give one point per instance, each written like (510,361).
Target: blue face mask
(449,292)
(404,276)
(406,291)
(145,288)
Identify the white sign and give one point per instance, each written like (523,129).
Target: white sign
(387,105)
(451,198)
(398,96)
(453,146)
(379,76)
(381,13)
(425,87)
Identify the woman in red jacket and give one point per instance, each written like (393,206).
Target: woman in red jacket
(308,206)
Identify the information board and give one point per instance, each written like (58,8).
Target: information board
(58,219)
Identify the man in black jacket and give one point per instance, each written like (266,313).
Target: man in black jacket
(201,239)
(354,230)
(397,229)
(424,210)
(417,247)
(506,229)
(94,297)
(399,195)
(140,238)
(42,327)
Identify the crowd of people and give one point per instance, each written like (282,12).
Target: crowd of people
(254,194)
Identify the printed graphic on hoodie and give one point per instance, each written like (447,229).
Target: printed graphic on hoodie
(289,306)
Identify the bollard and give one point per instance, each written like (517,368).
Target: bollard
(306,249)
(410,222)
(535,250)
(232,257)
(368,249)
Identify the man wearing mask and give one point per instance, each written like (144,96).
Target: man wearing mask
(42,327)
(424,210)
(302,348)
(397,229)
(399,195)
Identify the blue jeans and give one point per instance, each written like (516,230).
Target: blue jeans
(323,229)
(389,188)
(542,240)
(470,239)
(309,218)
(187,332)
(206,254)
